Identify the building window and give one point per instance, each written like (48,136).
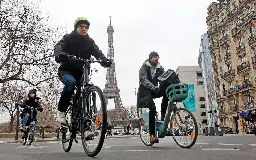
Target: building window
(229,67)
(243,59)
(204,121)
(203,113)
(201,99)
(246,77)
(200,82)
(202,106)
(199,74)
(227,51)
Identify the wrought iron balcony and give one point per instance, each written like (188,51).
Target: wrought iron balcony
(229,74)
(224,40)
(243,67)
(252,40)
(249,105)
(240,50)
(246,85)
(250,16)
(227,58)
(254,61)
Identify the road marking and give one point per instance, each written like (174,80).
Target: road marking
(141,150)
(220,149)
(31,146)
(2,142)
(230,144)
(202,143)
(107,147)
(252,145)
(54,142)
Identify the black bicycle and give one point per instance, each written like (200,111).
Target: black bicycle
(28,131)
(84,117)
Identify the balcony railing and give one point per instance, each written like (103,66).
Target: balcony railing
(252,40)
(229,74)
(254,61)
(227,57)
(243,67)
(224,40)
(246,84)
(240,50)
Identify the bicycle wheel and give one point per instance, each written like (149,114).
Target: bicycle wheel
(144,133)
(24,137)
(93,125)
(182,127)
(66,138)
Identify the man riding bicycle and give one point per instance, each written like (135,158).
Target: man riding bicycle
(78,44)
(148,90)
(33,101)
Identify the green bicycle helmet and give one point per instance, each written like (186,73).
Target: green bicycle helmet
(81,20)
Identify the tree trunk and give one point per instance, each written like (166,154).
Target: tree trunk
(11,124)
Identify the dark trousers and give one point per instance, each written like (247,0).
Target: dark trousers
(69,81)
(152,110)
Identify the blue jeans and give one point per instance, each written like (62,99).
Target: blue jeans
(69,82)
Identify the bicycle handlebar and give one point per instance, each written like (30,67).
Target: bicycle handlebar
(87,61)
(21,104)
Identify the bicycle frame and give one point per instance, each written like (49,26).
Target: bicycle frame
(83,86)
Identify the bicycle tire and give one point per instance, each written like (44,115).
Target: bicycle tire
(64,136)
(31,139)
(104,121)
(142,139)
(196,128)
(64,130)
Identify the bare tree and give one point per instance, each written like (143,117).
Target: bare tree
(26,43)
(11,92)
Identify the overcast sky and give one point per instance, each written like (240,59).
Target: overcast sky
(171,28)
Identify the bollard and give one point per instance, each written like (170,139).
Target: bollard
(42,132)
(58,133)
(18,119)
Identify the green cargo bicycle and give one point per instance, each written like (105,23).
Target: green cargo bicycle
(180,121)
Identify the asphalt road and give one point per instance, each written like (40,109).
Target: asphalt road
(206,148)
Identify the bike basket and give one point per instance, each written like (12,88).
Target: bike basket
(177,92)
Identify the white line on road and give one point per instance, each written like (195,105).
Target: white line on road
(220,149)
(230,144)
(2,142)
(31,147)
(107,146)
(201,143)
(141,150)
(54,142)
(252,145)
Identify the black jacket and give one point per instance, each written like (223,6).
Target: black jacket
(33,102)
(79,46)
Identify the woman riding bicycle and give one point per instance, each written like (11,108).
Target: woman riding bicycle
(33,101)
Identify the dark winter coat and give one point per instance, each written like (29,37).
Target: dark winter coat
(79,46)
(33,102)
(147,81)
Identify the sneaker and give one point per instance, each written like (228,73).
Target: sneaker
(61,117)
(153,139)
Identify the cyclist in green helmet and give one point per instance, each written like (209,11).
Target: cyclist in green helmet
(77,44)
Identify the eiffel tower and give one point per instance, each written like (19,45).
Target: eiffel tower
(111,90)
